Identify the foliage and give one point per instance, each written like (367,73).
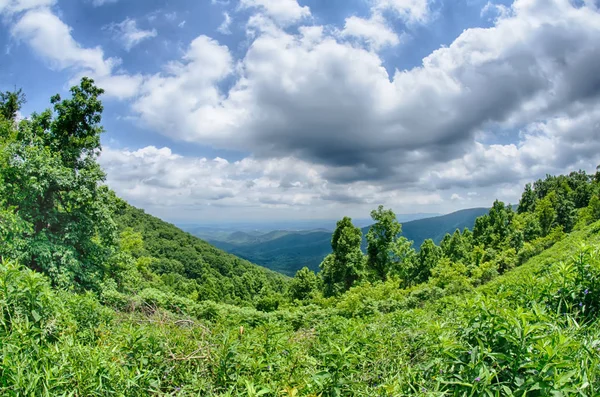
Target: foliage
(209,273)
(380,241)
(10,104)
(52,180)
(344,266)
(304,284)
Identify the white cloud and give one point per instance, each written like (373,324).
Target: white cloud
(555,146)
(374,138)
(410,11)
(325,101)
(224,27)
(498,10)
(51,39)
(193,82)
(16,6)
(374,31)
(284,12)
(179,186)
(326,124)
(129,34)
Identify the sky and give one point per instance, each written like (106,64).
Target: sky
(262,110)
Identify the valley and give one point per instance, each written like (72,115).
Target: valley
(288,251)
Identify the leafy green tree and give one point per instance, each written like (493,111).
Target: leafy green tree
(304,283)
(10,104)
(531,228)
(583,194)
(428,258)
(566,215)
(454,247)
(341,269)
(528,199)
(492,229)
(546,214)
(594,208)
(516,240)
(381,238)
(481,230)
(450,276)
(53,180)
(404,260)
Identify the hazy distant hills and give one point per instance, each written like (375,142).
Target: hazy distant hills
(222,231)
(287,251)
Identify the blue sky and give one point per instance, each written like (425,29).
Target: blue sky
(285,109)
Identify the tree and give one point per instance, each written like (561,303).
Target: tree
(454,247)
(532,228)
(341,269)
(304,283)
(380,240)
(566,215)
(404,260)
(546,214)
(10,104)
(594,208)
(53,180)
(528,199)
(494,228)
(428,258)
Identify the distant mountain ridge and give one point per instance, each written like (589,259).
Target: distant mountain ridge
(220,231)
(436,228)
(288,251)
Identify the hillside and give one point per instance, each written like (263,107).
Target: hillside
(532,331)
(287,252)
(219,276)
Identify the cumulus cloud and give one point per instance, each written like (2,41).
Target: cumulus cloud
(284,12)
(374,31)
(319,98)
(128,33)
(193,81)
(497,10)
(410,11)
(331,103)
(557,145)
(158,179)
(50,38)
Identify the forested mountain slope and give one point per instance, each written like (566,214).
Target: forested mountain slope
(219,276)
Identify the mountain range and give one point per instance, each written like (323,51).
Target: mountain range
(287,251)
